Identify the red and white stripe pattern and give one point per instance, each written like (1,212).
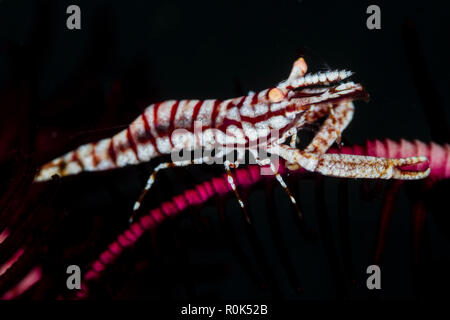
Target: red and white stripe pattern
(238,123)
(170,125)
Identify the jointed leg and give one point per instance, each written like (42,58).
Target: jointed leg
(293,141)
(152,178)
(148,185)
(232,184)
(313,158)
(279,178)
(353,166)
(286,189)
(338,119)
(292,144)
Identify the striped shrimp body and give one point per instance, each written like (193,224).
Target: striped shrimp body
(265,119)
(170,125)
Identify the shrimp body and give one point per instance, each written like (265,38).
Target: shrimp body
(264,119)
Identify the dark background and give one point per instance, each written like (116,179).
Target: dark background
(61,88)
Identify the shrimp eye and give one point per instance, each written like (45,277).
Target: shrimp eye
(275,95)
